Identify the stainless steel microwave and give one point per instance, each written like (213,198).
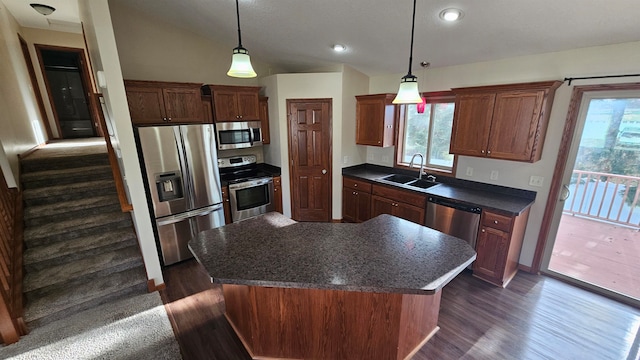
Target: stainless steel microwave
(238,134)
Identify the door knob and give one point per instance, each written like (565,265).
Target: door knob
(564,195)
(324,171)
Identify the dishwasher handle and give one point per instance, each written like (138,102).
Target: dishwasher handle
(457,206)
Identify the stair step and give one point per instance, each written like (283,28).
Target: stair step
(58,193)
(57,302)
(46,178)
(86,269)
(48,213)
(74,228)
(44,163)
(41,257)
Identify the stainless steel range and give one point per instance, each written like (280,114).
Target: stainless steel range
(250,190)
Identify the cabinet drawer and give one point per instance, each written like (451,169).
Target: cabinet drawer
(497,221)
(354,184)
(406,197)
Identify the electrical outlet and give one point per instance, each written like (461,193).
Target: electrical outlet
(385,159)
(536,181)
(469,171)
(345,160)
(371,157)
(494,174)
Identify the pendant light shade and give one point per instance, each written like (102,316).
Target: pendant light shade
(43,9)
(408,92)
(240,62)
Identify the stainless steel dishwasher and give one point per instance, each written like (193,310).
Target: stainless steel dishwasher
(459,220)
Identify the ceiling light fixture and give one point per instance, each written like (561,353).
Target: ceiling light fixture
(241,62)
(43,9)
(451,15)
(339,48)
(408,91)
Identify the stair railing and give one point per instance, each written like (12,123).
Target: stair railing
(12,324)
(97,104)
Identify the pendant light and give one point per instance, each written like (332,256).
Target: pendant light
(408,91)
(241,62)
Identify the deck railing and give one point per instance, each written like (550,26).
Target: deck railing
(606,197)
(11,321)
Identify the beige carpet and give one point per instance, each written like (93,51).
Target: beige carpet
(133,328)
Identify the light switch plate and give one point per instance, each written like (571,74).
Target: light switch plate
(536,181)
(494,174)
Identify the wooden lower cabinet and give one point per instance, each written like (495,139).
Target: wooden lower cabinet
(277,193)
(381,205)
(226,205)
(356,200)
(403,204)
(498,246)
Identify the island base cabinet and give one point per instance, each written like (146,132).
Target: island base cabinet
(279,323)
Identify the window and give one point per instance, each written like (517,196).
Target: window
(428,133)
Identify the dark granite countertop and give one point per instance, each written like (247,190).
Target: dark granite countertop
(384,254)
(504,199)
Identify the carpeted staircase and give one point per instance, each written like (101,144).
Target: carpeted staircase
(80,248)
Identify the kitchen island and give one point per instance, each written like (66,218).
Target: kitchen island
(331,291)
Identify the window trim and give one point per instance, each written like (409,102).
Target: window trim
(434,97)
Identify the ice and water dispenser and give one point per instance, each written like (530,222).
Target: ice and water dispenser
(169,186)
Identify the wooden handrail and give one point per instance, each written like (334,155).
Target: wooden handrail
(12,325)
(113,160)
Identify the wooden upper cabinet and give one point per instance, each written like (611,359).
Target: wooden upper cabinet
(155,102)
(264,119)
(504,121)
(234,103)
(375,120)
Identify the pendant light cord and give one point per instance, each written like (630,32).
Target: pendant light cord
(413,26)
(240,36)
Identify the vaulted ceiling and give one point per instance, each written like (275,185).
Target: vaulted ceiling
(298,34)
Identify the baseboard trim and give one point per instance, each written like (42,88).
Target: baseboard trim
(151,285)
(336,221)
(526,268)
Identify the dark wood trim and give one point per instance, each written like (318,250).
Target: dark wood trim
(561,162)
(526,268)
(84,75)
(34,84)
(94,84)
(151,286)
(18,275)
(113,160)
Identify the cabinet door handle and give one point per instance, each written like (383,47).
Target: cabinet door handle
(379,142)
(495,221)
(169,119)
(354,193)
(355,185)
(482,230)
(488,152)
(482,151)
(324,171)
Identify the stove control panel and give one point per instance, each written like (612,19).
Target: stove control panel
(227,162)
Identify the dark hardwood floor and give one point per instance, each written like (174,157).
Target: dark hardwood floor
(535,317)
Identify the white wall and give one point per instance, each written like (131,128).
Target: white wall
(20,120)
(594,61)
(104,55)
(152,49)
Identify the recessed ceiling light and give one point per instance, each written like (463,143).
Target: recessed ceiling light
(339,48)
(451,14)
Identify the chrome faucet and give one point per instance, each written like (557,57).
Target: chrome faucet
(421,163)
(431,178)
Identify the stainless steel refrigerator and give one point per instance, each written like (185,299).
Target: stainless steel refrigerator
(183,184)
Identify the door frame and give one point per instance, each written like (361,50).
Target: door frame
(34,84)
(87,84)
(563,155)
(294,212)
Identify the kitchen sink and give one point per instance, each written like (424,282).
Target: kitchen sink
(400,179)
(422,184)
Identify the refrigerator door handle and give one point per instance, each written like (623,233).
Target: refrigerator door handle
(189,214)
(184,166)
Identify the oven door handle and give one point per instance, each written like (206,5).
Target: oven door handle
(250,183)
(251,136)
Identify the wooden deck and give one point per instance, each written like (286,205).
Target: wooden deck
(599,253)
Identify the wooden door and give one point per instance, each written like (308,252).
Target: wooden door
(225,105)
(264,120)
(369,113)
(248,105)
(515,123)
(409,212)
(310,158)
(349,205)
(471,124)
(381,205)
